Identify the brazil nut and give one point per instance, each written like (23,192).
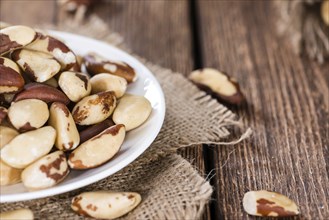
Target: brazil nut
(67,133)
(55,48)
(6,135)
(106,82)
(8,174)
(94,108)
(11,80)
(99,149)
(28,147)
(43,92)
(37,65)
(46,172)
(75,85)
(105,204)
(132,111)
(96,64)
(28,114)
(14,37)
(9,63)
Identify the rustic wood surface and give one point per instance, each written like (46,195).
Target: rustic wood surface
(288,97)
(288,101)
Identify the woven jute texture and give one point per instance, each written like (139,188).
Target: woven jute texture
(170,187)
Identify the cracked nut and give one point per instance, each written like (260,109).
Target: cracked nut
(99,149)
(28,114)
(18,214)
(15,37)
(132,111)
(94,108)
(75,85)
(6,135)
(56,49)
(46,93)
(37,65)
(9,175)
(67,133)
(265,203)
(46,172)
(218,84)
(28,147)
(105,204)
(106,82)
(96,64)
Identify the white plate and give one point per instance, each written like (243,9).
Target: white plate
(136,142)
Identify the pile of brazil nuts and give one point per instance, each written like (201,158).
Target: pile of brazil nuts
(54,117)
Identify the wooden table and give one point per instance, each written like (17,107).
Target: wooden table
(288,98)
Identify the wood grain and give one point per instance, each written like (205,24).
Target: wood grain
(160,32)
(30,12)
(287,108)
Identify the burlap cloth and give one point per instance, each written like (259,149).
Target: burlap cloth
(170,187)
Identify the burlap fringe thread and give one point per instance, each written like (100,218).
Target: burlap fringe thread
(170,187)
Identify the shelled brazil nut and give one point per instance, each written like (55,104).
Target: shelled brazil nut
(55,118)
(105,204)
(11,79)
(46,172)
(14,37)
(96,64)
(22,114)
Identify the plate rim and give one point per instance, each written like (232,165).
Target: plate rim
(9,198)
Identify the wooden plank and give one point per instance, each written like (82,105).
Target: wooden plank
(156,30)
(31,13)
(287,109)
(160,32)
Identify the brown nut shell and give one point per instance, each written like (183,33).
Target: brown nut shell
(94,130)
(96,64)
(43,92)
(218,84)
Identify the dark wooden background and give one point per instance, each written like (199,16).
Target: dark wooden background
(288,97)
